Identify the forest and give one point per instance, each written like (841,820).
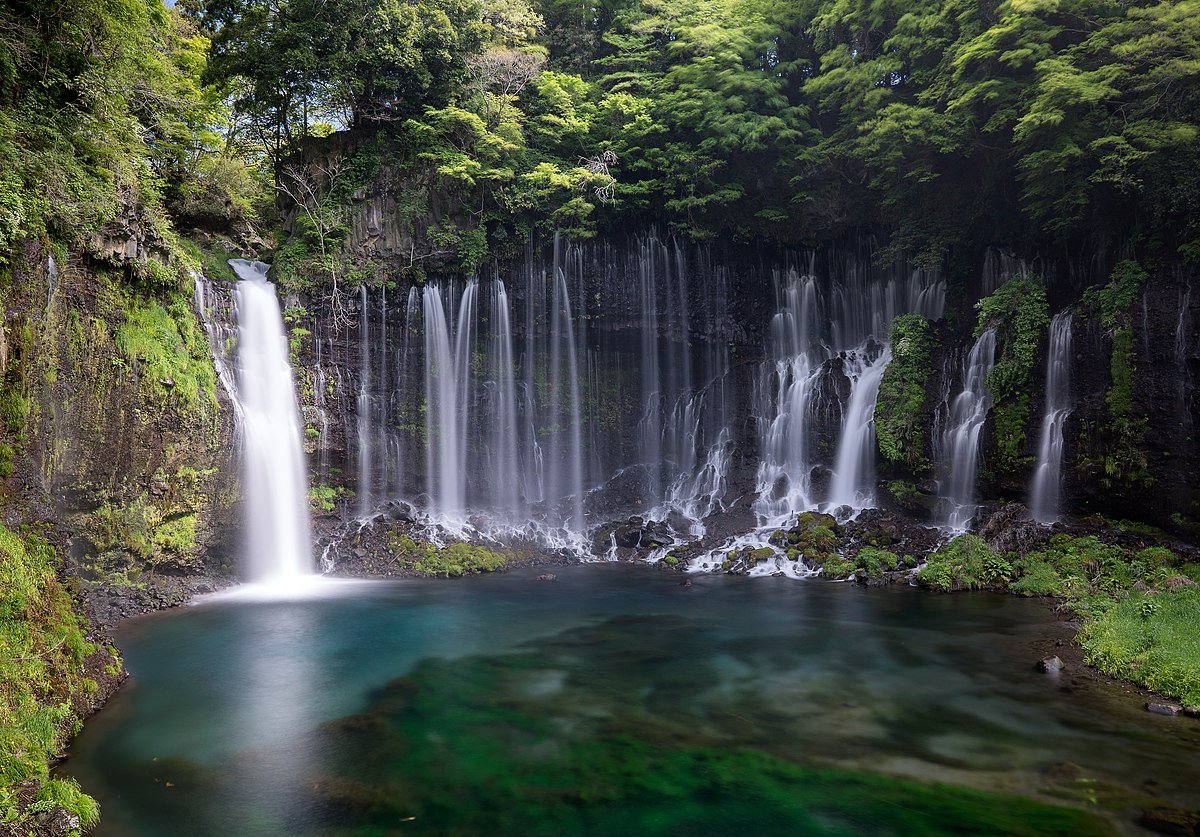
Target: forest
(1052,124)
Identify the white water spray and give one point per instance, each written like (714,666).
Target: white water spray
(960,442)
(279,544)
(1046,492)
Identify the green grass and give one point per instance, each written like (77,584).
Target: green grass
(42,655)
(1139,611)
(1149,638)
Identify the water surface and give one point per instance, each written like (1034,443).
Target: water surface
(613,700)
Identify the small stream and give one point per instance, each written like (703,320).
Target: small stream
(613,700)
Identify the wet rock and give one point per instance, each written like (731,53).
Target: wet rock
(547,577)
(1050,665)
(57,822)
(1171,821)
(1011,530)
(1163,708)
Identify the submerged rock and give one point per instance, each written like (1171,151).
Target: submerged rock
(1050,665)
(1171,821)
(1163,708)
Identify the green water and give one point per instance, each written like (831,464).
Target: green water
(613,701)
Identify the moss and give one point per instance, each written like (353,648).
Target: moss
(1020,313)
(170,350)
(965,563)
(323,498)
(42,676)
(176,536)
(454,560)
(1117,452)
(6,460)
(901,402)
(14,409)
(142,530)
(213,261)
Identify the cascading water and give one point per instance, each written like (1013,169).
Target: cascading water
(960,440)
(858,310)
(364,414)
(279,544)
(854,471)
(1045,496)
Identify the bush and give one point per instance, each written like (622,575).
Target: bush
(965,563)
(453,560)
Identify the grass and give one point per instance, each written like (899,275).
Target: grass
(43,652)
(1139,610)
(1151,638)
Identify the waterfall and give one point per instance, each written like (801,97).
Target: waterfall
(853,469)
(443,462)
(502,432)
(365,440)
(960,439)
(563,349)
(650,426)
(279,545)
(783,479)
(1045,494)
(847,318)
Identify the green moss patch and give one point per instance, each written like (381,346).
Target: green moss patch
(1020,313)
(170,351)
(453,560)
(899,430)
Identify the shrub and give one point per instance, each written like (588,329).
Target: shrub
(965,563)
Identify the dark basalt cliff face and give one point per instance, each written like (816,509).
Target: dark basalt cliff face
(658,328)
(114,430)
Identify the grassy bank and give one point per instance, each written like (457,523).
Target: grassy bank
(1139,610)
(46,686)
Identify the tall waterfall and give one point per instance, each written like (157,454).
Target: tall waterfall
(960,439)
(1045,495)
(279,544)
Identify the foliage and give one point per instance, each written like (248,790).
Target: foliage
(901,402)
(965,563)
(42,676)
(1020,314)
(1120,450)
(323,498)
(871,561)
(456,559)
